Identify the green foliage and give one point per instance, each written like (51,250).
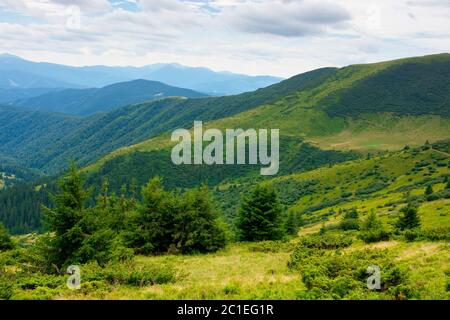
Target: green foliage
(5,239)
(292,222)
(66,218)
(330,274)
(197,228)
(260,215)
(434,234)
(129,274)
(326,241)
(429,190)
(410,88)
(169,222)
(24,132)
(373,229)
(409,219)
(272,246)
(81,234)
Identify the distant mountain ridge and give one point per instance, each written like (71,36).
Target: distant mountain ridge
(16,72)
(89,101)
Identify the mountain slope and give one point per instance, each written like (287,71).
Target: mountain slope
(24,133)
(17,72)
(89,101)
(8,95)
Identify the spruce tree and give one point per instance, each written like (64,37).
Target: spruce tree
(429,190)
(260,215)
(65,217)
(5,239)
(197,226)
(372,222)
(152,226)
(409,219)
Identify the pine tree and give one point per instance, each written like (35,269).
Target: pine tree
(372,222)
(5,239)
(197,228)
(152,226)
(429,190)
(260,215)
(64,220)
(410,218)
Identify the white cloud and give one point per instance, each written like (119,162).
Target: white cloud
(280,37)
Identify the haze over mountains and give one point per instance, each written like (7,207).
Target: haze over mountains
(16,72)
(89,101)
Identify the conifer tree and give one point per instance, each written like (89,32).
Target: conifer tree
(152,226)
(5,239)
(260,215)
(197,226)
(429,190)
(65,217)
(409,219)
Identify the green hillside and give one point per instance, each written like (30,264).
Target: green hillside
(85,139)
(307,114)
(329,264)
(84,102)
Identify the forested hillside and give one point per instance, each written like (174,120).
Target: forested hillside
(84,102)
(24,132)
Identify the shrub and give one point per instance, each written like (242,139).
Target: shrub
(374,235)
(436,234)
(349,224)
(329,273)
(272,246)
(326,241)
(129,274)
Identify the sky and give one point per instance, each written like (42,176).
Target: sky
(256,37)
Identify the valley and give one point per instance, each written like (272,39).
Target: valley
(364,178)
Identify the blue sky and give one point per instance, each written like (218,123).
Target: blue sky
(276,37)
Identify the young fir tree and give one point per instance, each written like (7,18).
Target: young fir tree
(64,219)
(372,222)
(429,190)
(409,219)
(197,226)
(152,225)
(5,239)
(260,215)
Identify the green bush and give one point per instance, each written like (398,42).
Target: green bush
(129,274)
(5,240)
(436,234)
(272,246)
(329,273)
(349,224)
(375,235)
(326,241)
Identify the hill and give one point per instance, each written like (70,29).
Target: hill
(24,132)
(413,264)
(16,72)
(13,94)
(89,101)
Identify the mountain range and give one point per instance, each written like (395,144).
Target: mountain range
(326,116)
(17,73)
(90,101)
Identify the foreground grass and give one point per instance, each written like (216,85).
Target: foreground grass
(242,272)
(233,273)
